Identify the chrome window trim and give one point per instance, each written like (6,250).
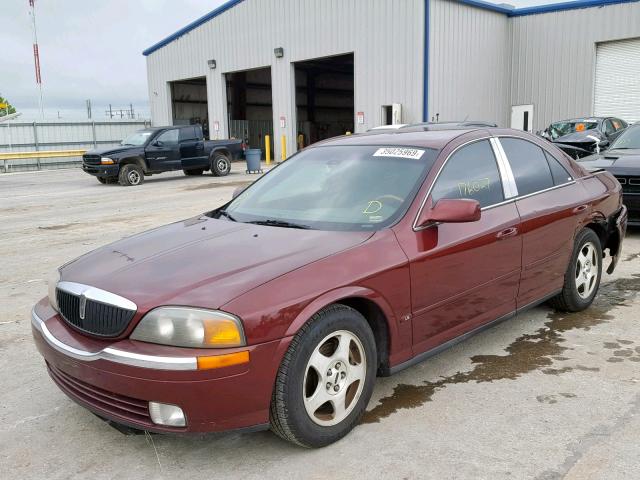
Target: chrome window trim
(508,180)
(508,172)
(113,354)
(97,295)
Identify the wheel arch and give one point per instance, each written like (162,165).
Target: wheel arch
(224,150)
(134,160)
(370,304)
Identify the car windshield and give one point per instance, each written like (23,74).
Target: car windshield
(560,129)
(138,138)
(336,188)
(629,139)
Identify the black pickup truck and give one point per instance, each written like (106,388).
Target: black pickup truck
(162,149)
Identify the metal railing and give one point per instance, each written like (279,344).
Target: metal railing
(36,145)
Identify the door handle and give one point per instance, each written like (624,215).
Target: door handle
(509,232)
(580,209)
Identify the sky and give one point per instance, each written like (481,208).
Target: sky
(91,49)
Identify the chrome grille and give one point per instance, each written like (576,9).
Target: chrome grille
(94,317)
(629,184)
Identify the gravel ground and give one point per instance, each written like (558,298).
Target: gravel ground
(541,396)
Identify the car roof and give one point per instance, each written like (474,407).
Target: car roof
(428,139)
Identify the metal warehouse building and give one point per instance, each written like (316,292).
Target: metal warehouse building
(312,69)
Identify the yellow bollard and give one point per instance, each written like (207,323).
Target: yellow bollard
(300,141)
(348,133)
(283,147)
(267,148)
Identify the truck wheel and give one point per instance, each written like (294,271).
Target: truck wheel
(102,180)
(193,171)
(325,379)
(220,165)
(582,279)
(131,175)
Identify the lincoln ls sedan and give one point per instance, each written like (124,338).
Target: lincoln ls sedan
(355,258)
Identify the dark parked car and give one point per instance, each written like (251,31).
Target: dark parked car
(623,161)
(162,149)
(580,137)
(358,256)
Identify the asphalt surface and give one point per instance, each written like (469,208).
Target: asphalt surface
(544,395)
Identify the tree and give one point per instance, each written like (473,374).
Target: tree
(6,108)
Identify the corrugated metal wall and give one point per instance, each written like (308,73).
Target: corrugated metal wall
(553,58)
(386,36)
(469,63)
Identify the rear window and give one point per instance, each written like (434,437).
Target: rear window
(558,172)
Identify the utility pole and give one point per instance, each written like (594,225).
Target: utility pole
(89,109)
(36,53)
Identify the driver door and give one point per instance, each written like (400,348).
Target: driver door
(163,153)
(464,275)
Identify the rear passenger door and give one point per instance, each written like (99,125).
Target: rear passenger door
(550,204)
(191,148)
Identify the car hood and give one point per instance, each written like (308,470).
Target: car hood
(579,137)
(113,150)
(618,162)
(202,261)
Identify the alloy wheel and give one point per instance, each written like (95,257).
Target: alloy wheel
(334,378)
(586,272)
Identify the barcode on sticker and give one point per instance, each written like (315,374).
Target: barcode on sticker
(400,152)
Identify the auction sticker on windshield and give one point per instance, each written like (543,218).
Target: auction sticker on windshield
(414,153)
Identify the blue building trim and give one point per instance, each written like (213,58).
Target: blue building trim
(425,65)
(558,7)
(196,23)
(510,12)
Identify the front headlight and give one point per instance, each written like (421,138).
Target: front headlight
(190,327)
(106,161)
(52,282)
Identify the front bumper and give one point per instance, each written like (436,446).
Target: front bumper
(101,170)
(117,383)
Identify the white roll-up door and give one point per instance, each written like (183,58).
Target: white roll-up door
(617,85)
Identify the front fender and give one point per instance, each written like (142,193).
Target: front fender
(342,293)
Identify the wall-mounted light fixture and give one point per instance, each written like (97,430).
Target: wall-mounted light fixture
(212,64)
(279,52)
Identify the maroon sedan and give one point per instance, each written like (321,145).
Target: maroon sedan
(357,257)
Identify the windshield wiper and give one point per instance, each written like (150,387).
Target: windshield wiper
(228,215)
(280,223)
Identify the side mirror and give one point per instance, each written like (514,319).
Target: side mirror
(450,210)
(238,191)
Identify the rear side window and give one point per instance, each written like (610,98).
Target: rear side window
(558,172)
(529,165)
(471,172)
(187,133)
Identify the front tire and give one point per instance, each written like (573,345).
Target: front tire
(220,165)
(582,279)
(325,379)
(131,175)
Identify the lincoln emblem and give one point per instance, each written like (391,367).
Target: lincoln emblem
(83,304)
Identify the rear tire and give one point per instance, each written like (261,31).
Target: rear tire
(193,171)
(582,279)
(220,165)
(131,175)
(326,378)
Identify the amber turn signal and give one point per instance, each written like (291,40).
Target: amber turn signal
(219,361)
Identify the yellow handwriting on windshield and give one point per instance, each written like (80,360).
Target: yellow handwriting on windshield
(374,206)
